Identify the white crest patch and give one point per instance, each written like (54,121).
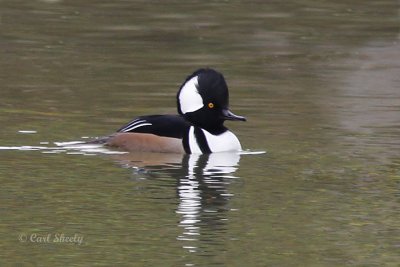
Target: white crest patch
(189,98)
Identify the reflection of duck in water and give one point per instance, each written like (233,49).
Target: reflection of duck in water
(202,193)
(203,106)
(203,197)
(201,190)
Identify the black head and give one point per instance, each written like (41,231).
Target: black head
(203,99)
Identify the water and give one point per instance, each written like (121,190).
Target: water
(318,82)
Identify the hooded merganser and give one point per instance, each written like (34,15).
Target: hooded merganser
(203,101)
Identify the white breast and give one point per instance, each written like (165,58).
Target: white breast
(194,147)
(226,141)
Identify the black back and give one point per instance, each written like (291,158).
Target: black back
(162,125)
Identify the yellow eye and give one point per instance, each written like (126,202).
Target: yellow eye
(210,105)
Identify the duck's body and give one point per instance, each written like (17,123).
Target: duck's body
(154,133)
(198,128)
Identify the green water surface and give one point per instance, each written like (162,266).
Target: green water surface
(317,80)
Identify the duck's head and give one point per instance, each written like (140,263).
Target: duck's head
(203,99)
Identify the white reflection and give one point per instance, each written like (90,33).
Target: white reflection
(190,202)
(202,192)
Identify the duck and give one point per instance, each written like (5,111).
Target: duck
(198,128)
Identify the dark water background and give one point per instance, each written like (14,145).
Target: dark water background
(317,80)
